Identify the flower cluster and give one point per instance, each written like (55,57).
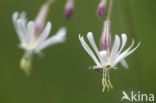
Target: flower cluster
(34,37)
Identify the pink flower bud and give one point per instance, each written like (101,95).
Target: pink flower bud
(105,42)
(41,19)
(101,8)
(69,8)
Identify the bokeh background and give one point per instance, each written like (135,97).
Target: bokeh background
(61,76)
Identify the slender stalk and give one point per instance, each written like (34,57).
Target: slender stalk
(110,9)
(49,2)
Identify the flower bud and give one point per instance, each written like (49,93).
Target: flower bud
(101,8)
(69,8)
(105,42)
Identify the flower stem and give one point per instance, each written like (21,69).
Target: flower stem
(49,2)
(110,9)
(26,63)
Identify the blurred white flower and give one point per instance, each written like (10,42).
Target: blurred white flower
(105,59)
(35,42)
(31,41)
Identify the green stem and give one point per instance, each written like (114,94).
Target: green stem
(110,9)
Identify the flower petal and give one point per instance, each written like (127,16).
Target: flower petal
(126,52)
(20,31)
(95,67)
(15,17)
(104,58)
(46,31)
(59,37)
(88,50)
(124,63)
(115,47)
(23,17)
(124,40)
(30,30)
(133,49)
(92,42)
(43,35)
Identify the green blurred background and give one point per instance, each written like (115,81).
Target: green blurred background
(61,76)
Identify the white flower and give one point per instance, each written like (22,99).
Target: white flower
(35,42)
(107,59)
(32,42)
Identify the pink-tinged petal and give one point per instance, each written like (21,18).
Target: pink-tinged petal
(105,42)
(40,19)
(43,35)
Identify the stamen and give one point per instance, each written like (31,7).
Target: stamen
(103,80)
(107,85)
(103,84)
(106,80)
(110,84)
